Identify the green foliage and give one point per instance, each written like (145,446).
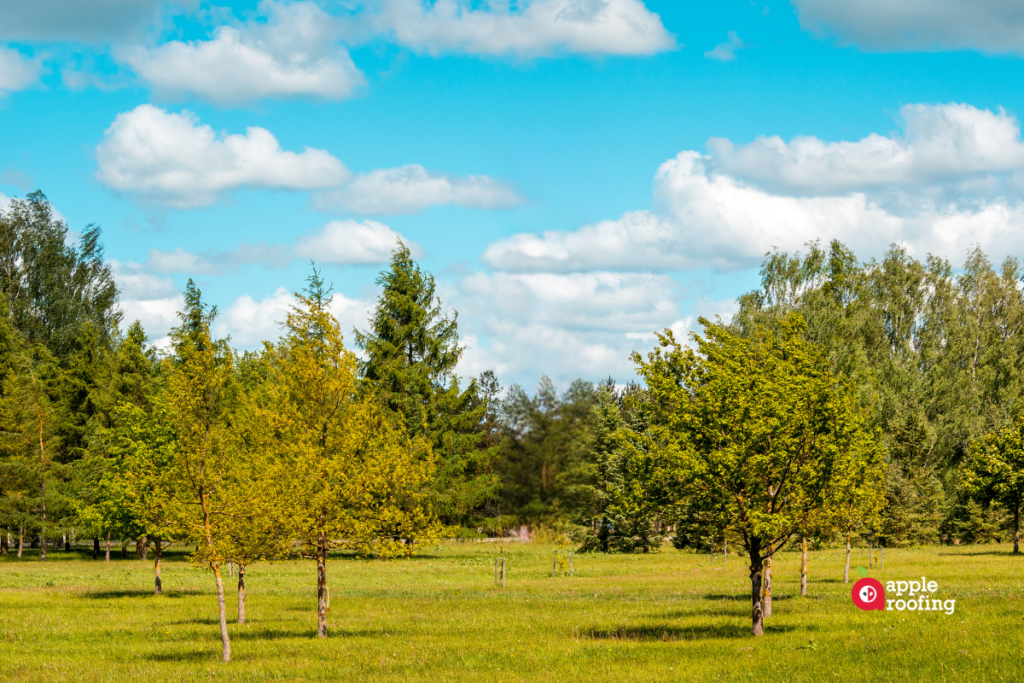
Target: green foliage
(411,354)
(994,471)
(547,467)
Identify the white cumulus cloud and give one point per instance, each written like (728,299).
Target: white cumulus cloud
(939,143)
(522,325)
(994,26)
(528,28)
(412,188)
(249,321)
(293,54)
(953,181)
(175,160)
(17,71)
(352,242)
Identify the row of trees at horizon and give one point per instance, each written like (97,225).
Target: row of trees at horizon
(875,399)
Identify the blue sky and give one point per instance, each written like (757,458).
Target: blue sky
(576,173)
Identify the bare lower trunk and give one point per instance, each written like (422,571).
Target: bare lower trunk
(42,532)
(159,551)
(803,568)
(67,544)
(756,568)
(21,540)
(1016,531)
(725,551)
(881,557)
(142,547)
(766,606)
(225,641)
(321,588)
(108,549)
(241,593)
(5,541)
(95,547)
(846,571)
(871,555)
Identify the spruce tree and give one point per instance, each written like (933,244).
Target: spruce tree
(412,350)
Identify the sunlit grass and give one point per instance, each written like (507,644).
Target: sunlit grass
(667,616)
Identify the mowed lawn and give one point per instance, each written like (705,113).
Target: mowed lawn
(438,617)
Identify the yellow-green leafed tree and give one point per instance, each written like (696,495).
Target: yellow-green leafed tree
(350,475)
(205,462)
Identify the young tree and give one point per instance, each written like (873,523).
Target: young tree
(204,466)
(755,435)
(352,475)
(412,350)
(994,472)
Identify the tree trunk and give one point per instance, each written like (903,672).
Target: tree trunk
(159,551)
(881,557)
(803,568)
(241,593)
(21,540)
(756,568)
(34,543)
(321,588)
(1016,531)
(871,554)
(108,548)
(124,548)
(4,542)
(846,572)
(142,547)
(725,551)
(67,544)
(766,606)
(95,547)
(42,532)
(225,641)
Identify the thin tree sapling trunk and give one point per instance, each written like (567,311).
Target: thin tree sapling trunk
(846,571)
(1016,530)
(67,544)
(225,641)
(108,548)
(881,557)
(756,570)
(803,567)
(158,551)
(95,547)
(766,607)
(321,587)
(241,593)
(21,540)
(4,542)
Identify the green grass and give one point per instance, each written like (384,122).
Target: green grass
(662,617)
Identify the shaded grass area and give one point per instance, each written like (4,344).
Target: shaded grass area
(661,617)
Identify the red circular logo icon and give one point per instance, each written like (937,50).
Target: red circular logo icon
(868,594)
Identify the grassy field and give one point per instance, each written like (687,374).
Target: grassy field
(662,617)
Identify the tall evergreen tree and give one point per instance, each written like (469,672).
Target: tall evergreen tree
(412,350)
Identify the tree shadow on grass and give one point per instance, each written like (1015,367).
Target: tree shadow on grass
(141,593)
(298,634)
(1004,553)
(190,656)
(743,597)
(676,632)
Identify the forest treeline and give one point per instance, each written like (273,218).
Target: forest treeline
(894,383)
